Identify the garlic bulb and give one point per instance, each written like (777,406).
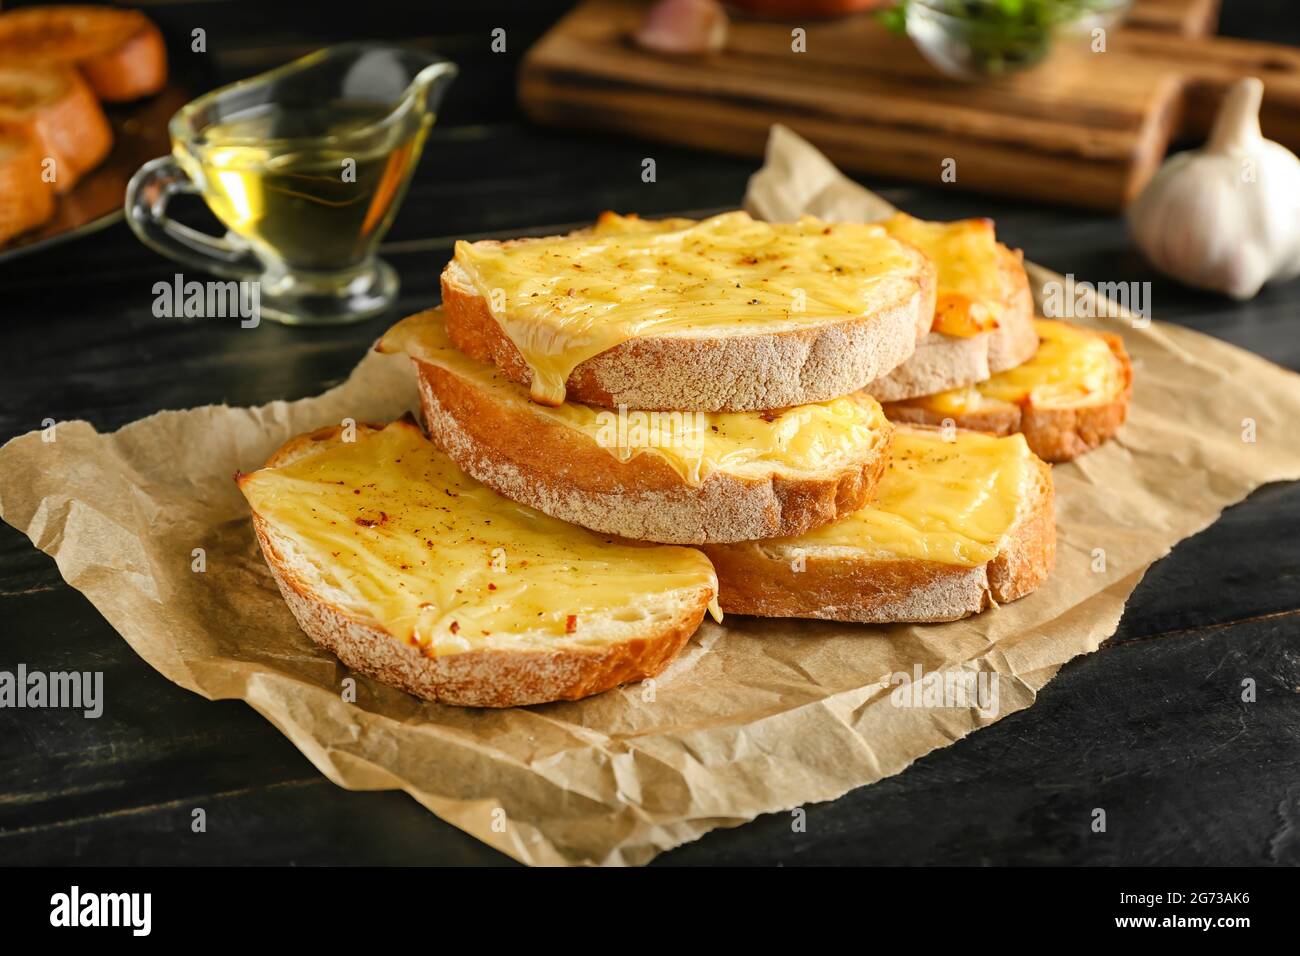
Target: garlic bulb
(1225,217)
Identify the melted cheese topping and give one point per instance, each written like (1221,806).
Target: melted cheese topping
(1072,366)
(442,561)
(972,289)
(950,502)
(804,438)
(565,299)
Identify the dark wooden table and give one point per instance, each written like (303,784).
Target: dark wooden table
(1152,727)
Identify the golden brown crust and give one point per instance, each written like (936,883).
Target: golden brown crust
(753,371)
(1053,434)
(119,52)
(1030,553)
(755,578)
(135,69)
(25,201)
(63,117)
(566,474)
(1015,341)
(478,678)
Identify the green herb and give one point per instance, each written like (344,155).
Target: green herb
(1000,35)
(1004,13)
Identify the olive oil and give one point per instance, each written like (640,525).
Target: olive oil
(312,187)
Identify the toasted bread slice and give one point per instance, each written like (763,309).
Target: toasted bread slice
(727,314)
(64,117)
(958,526)
(672,477)
(977,276)
(1066,400)
(26,201)
(119,52)
(984,311)
(417,575)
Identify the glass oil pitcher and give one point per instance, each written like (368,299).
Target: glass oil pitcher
(305,166)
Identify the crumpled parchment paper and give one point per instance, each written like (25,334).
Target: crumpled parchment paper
(755,716)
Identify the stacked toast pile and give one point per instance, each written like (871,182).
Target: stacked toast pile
(644,420)
(57,64)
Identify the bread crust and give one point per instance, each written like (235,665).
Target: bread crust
(119,52)
(755,578)
(477,678)
(568,475)
(25,201)
(752,371)
(64,118)
(136,69)
(1053,434)
(943,361)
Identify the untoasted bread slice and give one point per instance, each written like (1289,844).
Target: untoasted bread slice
(64,117)
(672,477)
(958,527)
(119,52)
(26,201)
(1066,400)
(727,314)
(417,575)
(984,311)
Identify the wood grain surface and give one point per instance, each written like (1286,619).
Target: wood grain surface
(1185,17)
(1085,127)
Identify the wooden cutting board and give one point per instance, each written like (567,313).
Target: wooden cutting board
(1084,128)
(1191,18)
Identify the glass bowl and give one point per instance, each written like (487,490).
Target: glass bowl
(971,39)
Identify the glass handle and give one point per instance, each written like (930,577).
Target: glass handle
(147,197)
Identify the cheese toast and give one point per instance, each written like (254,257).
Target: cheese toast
(1067,399)
(119,52)
(979,278)
(57,107)
(958,526)
(724,314)
(417,575)
(673,477)
(984,311)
